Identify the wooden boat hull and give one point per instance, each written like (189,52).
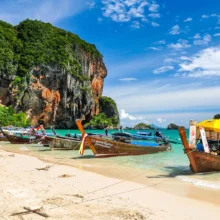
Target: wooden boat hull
(22,140)
(3,139)
(206,162)
(199,161)
(63,144)
(19,140)
(106,148)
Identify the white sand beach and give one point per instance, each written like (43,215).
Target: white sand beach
(65,192)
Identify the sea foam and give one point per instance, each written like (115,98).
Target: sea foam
(201,183)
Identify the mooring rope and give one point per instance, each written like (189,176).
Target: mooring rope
(121,181)
(127,191)
(49,166)
(114,194)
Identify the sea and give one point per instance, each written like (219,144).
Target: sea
(173,164)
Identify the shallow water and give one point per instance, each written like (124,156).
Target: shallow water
(171,164)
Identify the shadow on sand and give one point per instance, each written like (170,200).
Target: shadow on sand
(84,157)
(174,171)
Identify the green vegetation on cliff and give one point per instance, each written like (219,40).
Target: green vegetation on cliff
(109,107)
(9,117)
(32,43)
(217,116)
(101,121)
(108,115)
(172,126)
(142,126)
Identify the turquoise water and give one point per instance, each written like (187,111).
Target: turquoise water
(172,163)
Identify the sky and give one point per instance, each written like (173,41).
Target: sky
(162,56)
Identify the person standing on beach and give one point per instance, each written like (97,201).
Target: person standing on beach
(106,131)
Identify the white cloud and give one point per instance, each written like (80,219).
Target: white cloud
(169,60)
(125,115)
(128,79)
(217,35)
(205,16)
(185,58)
(181,44)
(48,11)
(161,42)
(136,24)
(188,19)
(154,24)
(203,64)
(91,5)
(154,7)
(154,15)
(100,19)
(161,120)
(126,11)
(175,30)
(163,69)
(214,15)
(154,48)
(204,41)
(197,36)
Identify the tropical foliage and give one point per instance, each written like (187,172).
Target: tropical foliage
(109,108)
(101,121)
(9,117)
(217,116)
(142,126)
(172,126)
(31,43)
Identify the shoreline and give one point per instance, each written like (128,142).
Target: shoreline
(82,194)
(169,184)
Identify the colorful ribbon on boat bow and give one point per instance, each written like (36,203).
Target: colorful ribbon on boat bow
(83,144)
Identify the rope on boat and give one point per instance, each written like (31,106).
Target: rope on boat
(189,151)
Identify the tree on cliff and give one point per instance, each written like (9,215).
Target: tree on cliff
(9,117)
(109,107)
(217,116)
(172,126)
(108,116)
(101,121)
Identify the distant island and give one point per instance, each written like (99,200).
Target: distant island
(172,126)
(217,116)
(143,126)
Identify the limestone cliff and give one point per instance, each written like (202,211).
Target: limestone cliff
(55,76)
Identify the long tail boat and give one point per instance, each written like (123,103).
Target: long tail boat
(207,158)
(60,143)
(20,137)
(3,138)
(103,147)
(64,142)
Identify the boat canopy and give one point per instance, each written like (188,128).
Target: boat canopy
(210,125)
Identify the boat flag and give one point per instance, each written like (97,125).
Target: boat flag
(204,140)
(83,144)
(192,134)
